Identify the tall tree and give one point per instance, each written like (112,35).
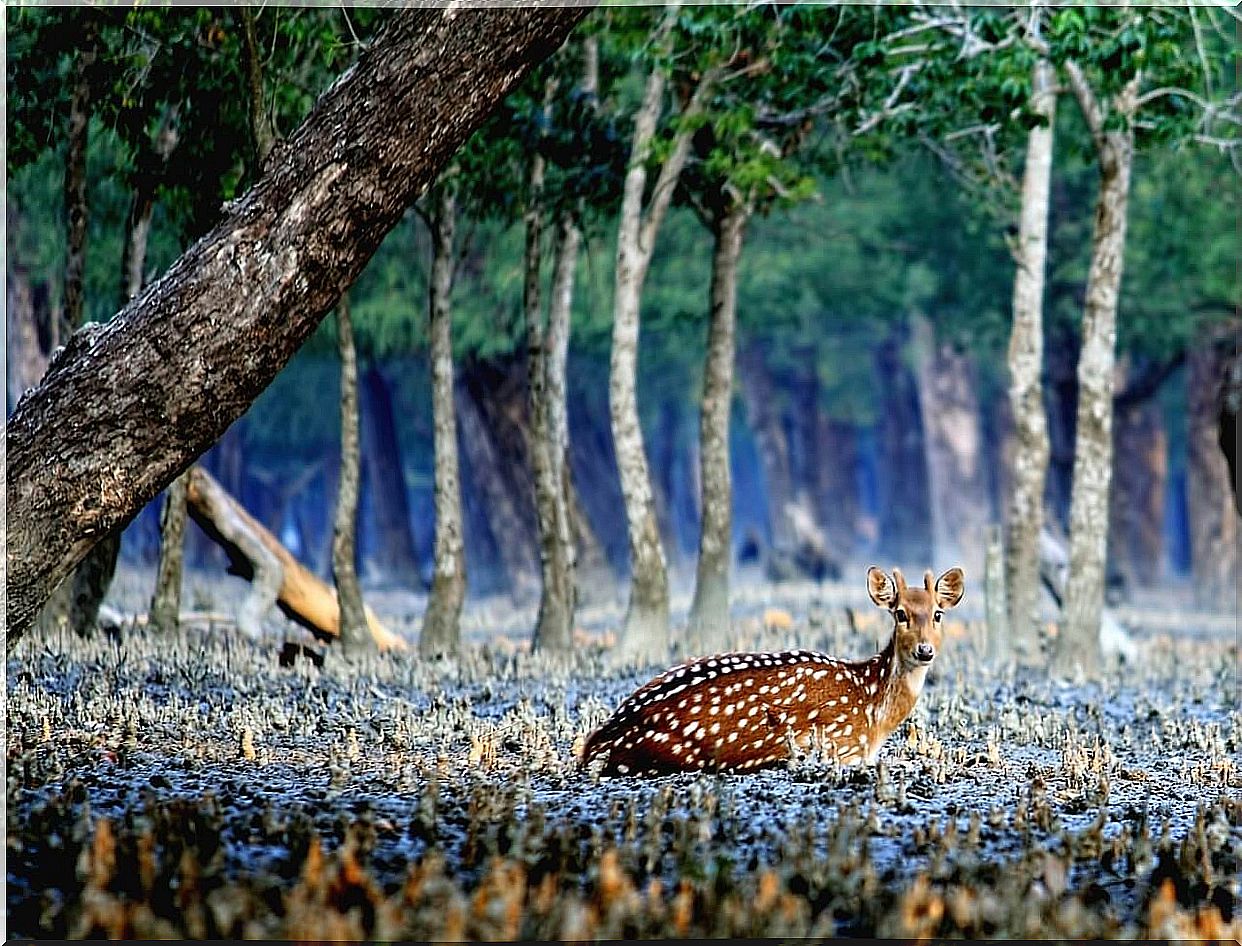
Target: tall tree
(441,632)
(354,633)
(645,633)
(301,233)
(1024,513)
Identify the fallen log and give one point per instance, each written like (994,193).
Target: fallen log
(275,576)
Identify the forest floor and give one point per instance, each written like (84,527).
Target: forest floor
(189,785)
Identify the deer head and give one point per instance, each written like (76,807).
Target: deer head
(917,612)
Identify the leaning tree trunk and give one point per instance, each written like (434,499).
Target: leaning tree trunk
(709,613)
(395,554)
(1213,516)
(645,633)
(1078,643)
(1029,458)
(353,622)
(123,409)
(442,623)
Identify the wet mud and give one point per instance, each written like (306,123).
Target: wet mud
(191,785)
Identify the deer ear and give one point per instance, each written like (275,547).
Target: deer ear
(950,587)
(881,588)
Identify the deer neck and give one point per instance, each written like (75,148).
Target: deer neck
(902,684)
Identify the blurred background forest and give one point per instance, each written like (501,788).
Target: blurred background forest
(870,418)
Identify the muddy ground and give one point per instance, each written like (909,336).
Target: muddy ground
(192,785)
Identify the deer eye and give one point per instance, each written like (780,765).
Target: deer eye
(902,616)
(937,616)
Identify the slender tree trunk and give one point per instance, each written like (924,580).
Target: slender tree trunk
(152,164)
(442,623)
(546,354)
(353,621)
(116,419)
(1078,643)
(709,613)
(395,554)
(645,633)
(1213,516)
(1029,459)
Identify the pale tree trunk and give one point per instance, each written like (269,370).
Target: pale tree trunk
(1213,516)
(353,621)
(646,630)
(549,441)
(441,632)
(76,602)
(1028,469)
(709,614)
(1078,647)
(120,412)
(952,428)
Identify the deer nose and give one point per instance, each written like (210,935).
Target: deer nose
(925,652)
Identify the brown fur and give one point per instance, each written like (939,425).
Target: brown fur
(739,712)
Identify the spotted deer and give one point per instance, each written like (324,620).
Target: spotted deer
(745,711)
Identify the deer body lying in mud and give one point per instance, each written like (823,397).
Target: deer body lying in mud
(744,711)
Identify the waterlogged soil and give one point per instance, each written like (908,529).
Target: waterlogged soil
(191,785)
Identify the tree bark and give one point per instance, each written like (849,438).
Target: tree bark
(1030,444)
(95,441)
(709,626)
(646,631)
(1078,643)
(549,438)
(441,632)
(353,619)
(395,554)
(165,610)
(1213,516)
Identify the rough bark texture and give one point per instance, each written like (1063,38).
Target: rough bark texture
(395,555)
(709,627)
(95,441)
(1028,469)
(548,442)
(276,577)
(905,501)
(166,601)
(353,620)
(1213,516)
(441,632)
(1078,642)
(645,633)
(952,426)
